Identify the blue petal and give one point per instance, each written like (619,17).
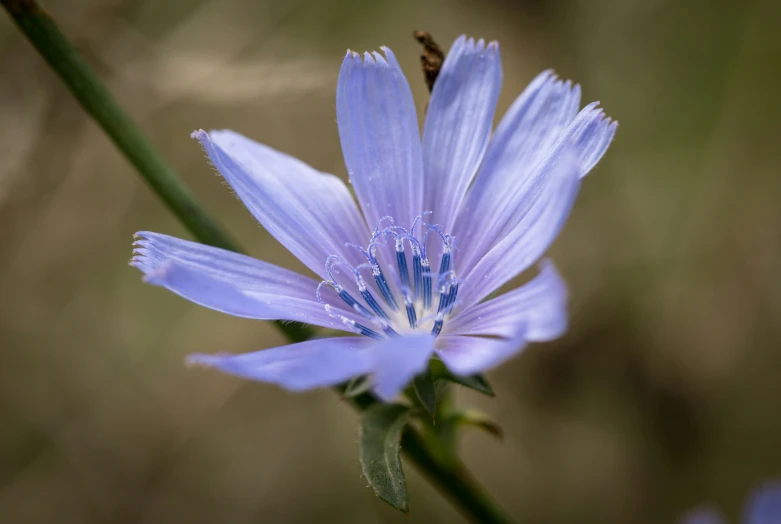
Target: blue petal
(232,283)
(764,506)
(392,363)
(312,214)
(458,125)
(536,119)
(532,132)
(538,217)
(297,367)
(540,304)
(467,355)
(592,132)
(378,128)
(398,360)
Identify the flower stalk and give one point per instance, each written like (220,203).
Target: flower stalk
(98,102)
(101,105)
(452,478)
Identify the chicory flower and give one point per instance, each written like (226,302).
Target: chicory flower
(440,224)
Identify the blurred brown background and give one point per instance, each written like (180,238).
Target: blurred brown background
(664,394)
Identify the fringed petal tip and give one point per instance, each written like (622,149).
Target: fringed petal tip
(592,132)
(552,83)
(138,260)
(593,109)
(207,146)
(469,45)
(141,238)
(224,138)
(155,271)
(352,58)
(200,135)
(141,254)
(146,256)
(370,58)
(149,259)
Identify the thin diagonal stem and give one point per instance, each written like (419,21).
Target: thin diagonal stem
(453,479)
(101,105)
(98,102)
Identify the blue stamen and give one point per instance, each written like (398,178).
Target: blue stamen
(344,295)
(363,330)
(447,242)
(390,332)
(426,284)
(367,296)
(443,292)
(417,272)
(451,296)
(432,228)
(447,297)
(401,260)
(330,262)
(417,267)
(379,278)
(359,248)
(360,328)
(377,229)
(412,316)
(353,303)
(415,222)
(444,266)
(419,287)
(437,329)
(445,284)
(446,300)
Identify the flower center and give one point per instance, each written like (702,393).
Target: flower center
(390,303)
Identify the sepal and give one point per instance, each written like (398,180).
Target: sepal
(476,382)
(478,419)
(426,393)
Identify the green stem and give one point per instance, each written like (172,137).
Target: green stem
(451,476)
(454,480)
(99,103)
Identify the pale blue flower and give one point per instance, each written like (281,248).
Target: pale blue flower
(443,223)
(763,507)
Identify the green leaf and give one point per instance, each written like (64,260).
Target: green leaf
(380,437)
(475,382)
(426,392)
(357,386)
(471,417)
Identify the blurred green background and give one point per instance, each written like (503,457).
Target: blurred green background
(664,395)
